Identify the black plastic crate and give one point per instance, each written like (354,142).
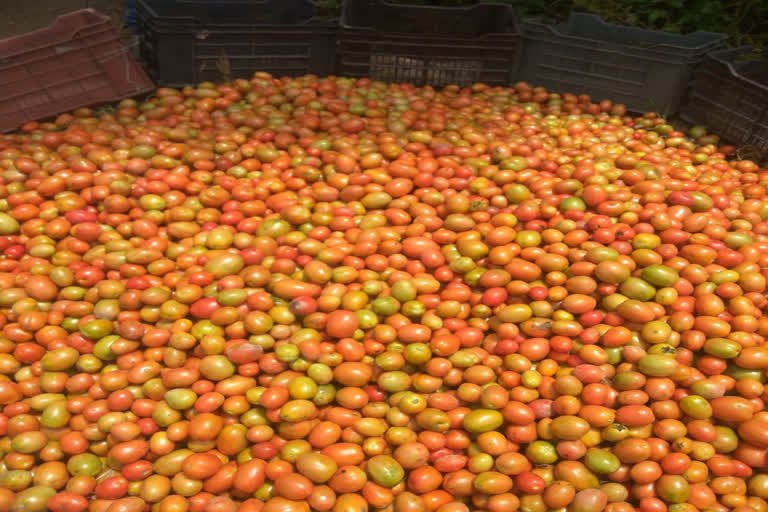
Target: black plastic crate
(472,21)
(190,41)
(263,12)
(647,70)
(729,95)
(428,45)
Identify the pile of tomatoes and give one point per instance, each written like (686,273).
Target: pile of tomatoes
(305,294)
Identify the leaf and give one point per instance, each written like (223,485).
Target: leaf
(655,15)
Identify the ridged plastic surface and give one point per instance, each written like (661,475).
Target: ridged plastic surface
(647,70)
(76,61)
(729,95)
(427,45)
(190,41)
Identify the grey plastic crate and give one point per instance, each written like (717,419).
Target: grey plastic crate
(729,95)
(647,70)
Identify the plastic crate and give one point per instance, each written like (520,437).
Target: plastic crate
(647,70)
(76,61)
(130,15)
(170,13)
(729,95)
(190,41)
(428,45)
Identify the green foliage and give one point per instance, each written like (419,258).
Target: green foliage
(745,21)
(328,8)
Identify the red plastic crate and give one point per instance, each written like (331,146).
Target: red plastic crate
(76,61)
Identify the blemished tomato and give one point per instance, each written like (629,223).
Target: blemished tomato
(286,294)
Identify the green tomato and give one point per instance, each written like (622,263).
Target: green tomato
(483,420)
(697,407)
(601,461)
(385,471)
(657,365)
(660,275)
(84,464)
(541,452)
(637,289)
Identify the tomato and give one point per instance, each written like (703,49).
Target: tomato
(589,499)
(569,428)
(293,486)
(559,494)
(424,479)
(249,476)
(635,415)
(112,488)
(753,432)
(341,324)
(385,470)
(732,409)
(205,426)
(483,420)
(492,482)
(601,461)
(348,479)
(67,502)
(280,504)
(645,472)
(530,483)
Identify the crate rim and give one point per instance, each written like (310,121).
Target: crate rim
(636,54)
(99,19)
(155,17)
(85,45)
(362,32)
(310,24)
(718,38)
(722,57)
(515,23)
